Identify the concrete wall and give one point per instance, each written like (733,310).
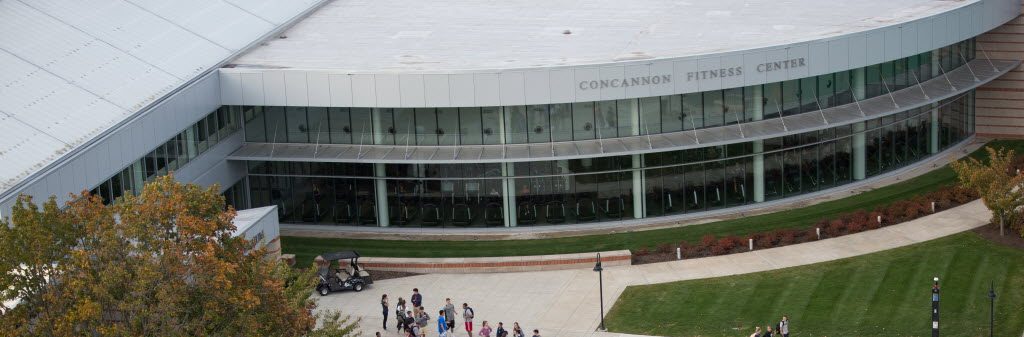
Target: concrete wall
(1000,103)
(294,87)
(260,224)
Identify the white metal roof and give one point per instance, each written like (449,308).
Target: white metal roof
(396,36)
(71,69)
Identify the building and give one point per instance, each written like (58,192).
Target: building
(515,113)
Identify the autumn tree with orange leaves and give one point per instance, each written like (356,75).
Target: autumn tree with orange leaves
(163,263)
(1000,185)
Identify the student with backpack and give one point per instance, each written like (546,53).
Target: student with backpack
(467,316)
(400,314)
(422,321)
(784,326)
(501,332)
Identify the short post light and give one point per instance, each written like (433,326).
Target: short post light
(935,307)
(992,306)
(600,287)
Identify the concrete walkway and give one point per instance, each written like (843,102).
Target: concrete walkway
(565,303)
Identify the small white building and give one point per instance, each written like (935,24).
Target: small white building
(260,226)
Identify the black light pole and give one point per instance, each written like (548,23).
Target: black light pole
(991,308)
(935,307)
(600,286)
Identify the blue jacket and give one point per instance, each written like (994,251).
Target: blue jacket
(441,325)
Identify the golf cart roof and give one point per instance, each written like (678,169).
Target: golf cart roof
(345,254)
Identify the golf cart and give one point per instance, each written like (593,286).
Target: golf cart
(350,277)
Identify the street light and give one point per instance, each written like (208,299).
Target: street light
(991,308)
(600,287)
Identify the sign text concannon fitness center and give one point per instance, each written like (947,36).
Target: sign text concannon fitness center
(691,76)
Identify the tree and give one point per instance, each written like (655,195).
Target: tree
(163,263)
(997,182)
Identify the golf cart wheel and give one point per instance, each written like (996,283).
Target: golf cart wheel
(323,291)
(358,287)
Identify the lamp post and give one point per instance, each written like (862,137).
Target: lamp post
(935,307)
(600,286)
(991,308)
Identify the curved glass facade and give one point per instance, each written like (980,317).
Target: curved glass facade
(600,189)
(594,120)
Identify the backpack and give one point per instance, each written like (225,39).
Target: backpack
(469,313)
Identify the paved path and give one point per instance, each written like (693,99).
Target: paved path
(565,303)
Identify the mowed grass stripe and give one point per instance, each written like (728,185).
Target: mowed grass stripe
(889,296)
(850,298)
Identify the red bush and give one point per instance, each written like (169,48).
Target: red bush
(765,240)
(856,226)
(642,251)
(787,237)
(836,227)
(665,248)
(726,245)
(707,241)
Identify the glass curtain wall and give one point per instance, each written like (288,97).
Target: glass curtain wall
(599,189)
(590,120)
(173,154)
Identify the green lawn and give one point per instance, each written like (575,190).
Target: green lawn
(307,248)
(881,294)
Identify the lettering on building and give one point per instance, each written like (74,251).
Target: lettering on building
(625,82)
(699,75)
(738,70)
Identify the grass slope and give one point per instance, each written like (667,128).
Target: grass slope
(306,248)
(881,294)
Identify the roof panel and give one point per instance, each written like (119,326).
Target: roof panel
(461,35)
(72,69)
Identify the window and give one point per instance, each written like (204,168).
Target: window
(583,121)
(340,126)
(297,124)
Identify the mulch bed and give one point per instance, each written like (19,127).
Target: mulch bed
(991,233)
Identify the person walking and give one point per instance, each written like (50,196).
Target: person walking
(409,324)
(485,330)
(416,299)
(536,333)
(449,313)
(442,325)
(467,317)
(784,326)
(400,314)
(768,331)
(384,304)
(500,332)
(516,330)
(757,332)
(422,320)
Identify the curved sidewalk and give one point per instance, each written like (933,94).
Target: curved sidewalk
(565,303)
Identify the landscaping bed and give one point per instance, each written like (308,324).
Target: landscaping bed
(858,221)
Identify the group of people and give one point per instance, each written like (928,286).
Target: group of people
(781,329)
(412,319)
